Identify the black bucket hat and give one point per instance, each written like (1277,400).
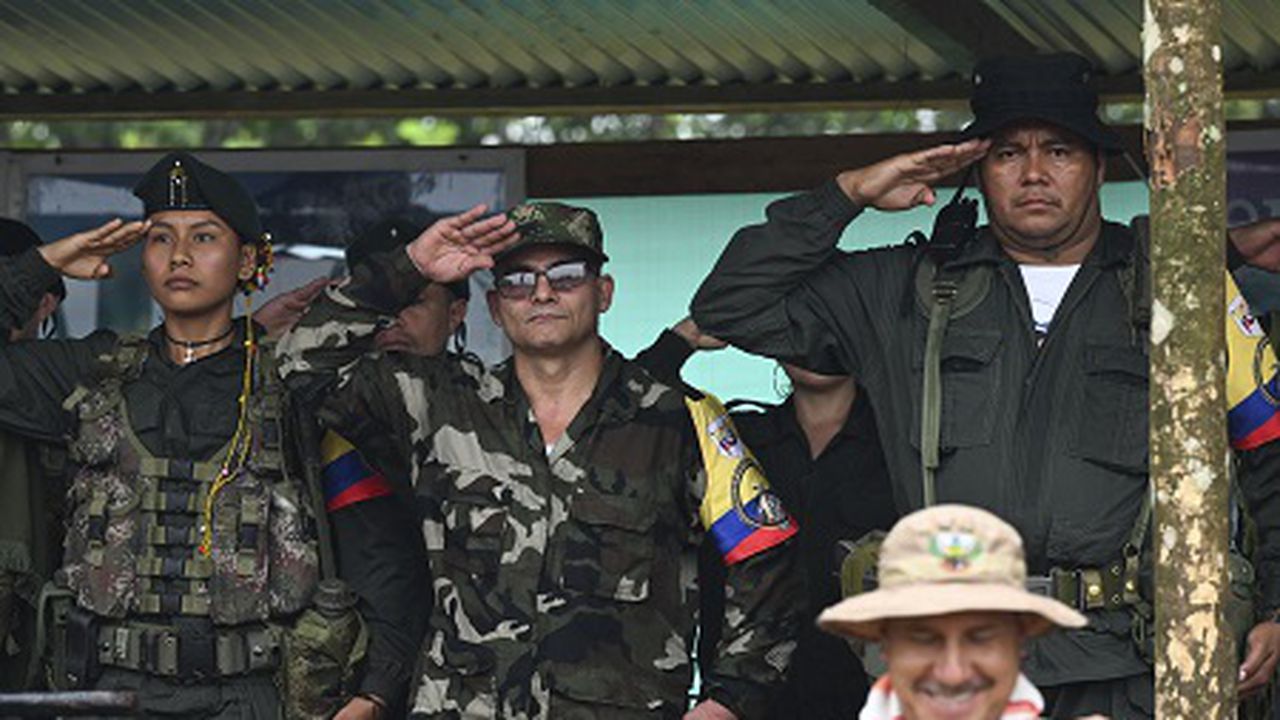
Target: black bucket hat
(1056,88)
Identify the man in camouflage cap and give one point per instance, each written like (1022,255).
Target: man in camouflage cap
(564,487)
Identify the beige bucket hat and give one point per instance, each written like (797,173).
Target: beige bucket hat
(942,560)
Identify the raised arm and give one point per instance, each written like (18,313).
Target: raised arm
(378,401)
(340,324)
(37,375)
(770,292)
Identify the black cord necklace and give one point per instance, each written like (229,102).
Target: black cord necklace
(189,346)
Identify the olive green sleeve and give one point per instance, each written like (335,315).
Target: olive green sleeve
(377,401)
(24,279)
(339,326)
(781,287)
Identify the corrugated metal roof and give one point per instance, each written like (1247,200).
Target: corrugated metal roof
(167,57)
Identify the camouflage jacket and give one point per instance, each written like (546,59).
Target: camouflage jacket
(565,581)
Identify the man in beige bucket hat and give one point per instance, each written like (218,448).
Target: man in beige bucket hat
(950,613)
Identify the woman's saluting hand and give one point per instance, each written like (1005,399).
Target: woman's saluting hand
(84,254)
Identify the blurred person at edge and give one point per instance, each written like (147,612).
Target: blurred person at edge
(951,613)
(32,481)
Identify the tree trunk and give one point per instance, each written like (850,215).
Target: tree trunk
(1195,654)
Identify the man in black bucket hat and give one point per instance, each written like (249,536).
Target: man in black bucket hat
(1007,363)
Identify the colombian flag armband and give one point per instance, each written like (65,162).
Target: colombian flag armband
(738,511)
(1253,399)
(347,478)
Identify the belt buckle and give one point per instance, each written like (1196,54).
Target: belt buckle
(1040,585)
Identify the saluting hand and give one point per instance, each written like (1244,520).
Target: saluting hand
(456,246)
(905,181)
(283,311)
(84,254)
(698,340)
(1259,243)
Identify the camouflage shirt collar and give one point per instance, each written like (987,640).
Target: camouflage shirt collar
(612,399)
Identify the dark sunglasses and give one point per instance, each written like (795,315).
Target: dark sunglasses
(563,277)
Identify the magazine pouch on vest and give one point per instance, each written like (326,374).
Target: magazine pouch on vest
(134,536)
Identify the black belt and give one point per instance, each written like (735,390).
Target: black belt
(186,652)
(1089,588)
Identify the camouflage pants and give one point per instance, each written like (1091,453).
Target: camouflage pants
(243,698)
(1127,698)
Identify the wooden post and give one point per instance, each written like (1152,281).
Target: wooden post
(1185,134)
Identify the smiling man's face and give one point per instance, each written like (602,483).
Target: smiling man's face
(961,666)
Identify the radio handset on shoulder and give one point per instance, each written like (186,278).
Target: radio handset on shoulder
(955,225)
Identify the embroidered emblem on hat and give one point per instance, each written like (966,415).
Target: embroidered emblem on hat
(177,185)
(956,548)
(720,430)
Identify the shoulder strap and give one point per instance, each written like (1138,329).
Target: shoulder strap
(943,295)
(1135,281)
(972,285)
(122,363)
(125,360)
(299,429)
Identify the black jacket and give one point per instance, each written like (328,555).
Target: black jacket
(1051,437)
(840,495)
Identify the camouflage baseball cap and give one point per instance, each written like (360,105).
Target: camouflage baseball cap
(553,223)
(948,559)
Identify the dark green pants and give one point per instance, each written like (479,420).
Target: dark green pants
(1127,698)
(252,697)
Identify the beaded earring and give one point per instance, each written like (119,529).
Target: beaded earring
(264,266)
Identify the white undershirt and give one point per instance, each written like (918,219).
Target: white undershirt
(1046,286)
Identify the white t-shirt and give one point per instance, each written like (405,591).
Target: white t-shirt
(1046,286)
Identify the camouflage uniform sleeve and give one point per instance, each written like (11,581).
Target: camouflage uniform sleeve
(339,326)
(374,400)
(758,630)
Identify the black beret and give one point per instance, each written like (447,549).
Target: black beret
(181,182)
(390,235)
